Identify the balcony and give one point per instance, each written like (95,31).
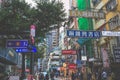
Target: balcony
(98,4)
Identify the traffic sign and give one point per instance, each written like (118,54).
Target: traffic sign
(83,34)
(32,30)
(26,50)
(17,43)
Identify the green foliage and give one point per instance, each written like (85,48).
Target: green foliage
(16,16)
(48,14)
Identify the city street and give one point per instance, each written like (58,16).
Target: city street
(60,39)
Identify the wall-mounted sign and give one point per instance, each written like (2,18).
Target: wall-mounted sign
(84,58)
(69,52)
(116,52)
(72,66)
(87,14)
(83,34)
(110,33)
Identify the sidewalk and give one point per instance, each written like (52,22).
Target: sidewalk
(62,78)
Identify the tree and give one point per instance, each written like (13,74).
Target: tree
(49,16)
(15,16)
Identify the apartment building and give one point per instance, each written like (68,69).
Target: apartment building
(106,46)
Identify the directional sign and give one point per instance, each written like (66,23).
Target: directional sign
(83,34)
(26,50)
(17,43)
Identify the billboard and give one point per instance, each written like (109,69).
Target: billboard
(69,52)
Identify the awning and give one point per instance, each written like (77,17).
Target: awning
(81,41)
(5,61)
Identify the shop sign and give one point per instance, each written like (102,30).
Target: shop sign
(116,52)
(110,33)
(105,58)
(69,52)
(83,34)
(84,58)
(72,66)
(87,14)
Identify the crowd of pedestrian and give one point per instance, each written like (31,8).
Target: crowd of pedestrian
(43,77)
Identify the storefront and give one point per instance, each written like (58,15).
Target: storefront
(8,61)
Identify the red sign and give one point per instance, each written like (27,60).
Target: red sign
(32,30)
(68,52)
(72,66)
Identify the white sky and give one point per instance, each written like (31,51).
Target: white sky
(66,4)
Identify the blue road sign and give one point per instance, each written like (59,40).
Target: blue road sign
(17,43)
(26,50)
(83,34)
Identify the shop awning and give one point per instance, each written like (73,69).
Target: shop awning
(5,61)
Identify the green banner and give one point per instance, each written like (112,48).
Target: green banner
(84,23)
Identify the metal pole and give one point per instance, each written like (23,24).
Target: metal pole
(31,63)
(23,66)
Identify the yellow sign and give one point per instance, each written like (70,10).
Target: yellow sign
(64,65)
(87,14)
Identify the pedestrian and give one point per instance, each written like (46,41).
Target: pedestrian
(99,76)
(41,76)
(72,76)
(47,77)
(89,76)
(52,75)
(104,75)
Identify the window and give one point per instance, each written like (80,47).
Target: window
(114,22)
(111,5)
(95,2)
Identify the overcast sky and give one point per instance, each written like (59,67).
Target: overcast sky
(66,4)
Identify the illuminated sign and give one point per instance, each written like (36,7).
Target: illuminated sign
(83,34)
(87,14)
(17,43)
(69,52)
